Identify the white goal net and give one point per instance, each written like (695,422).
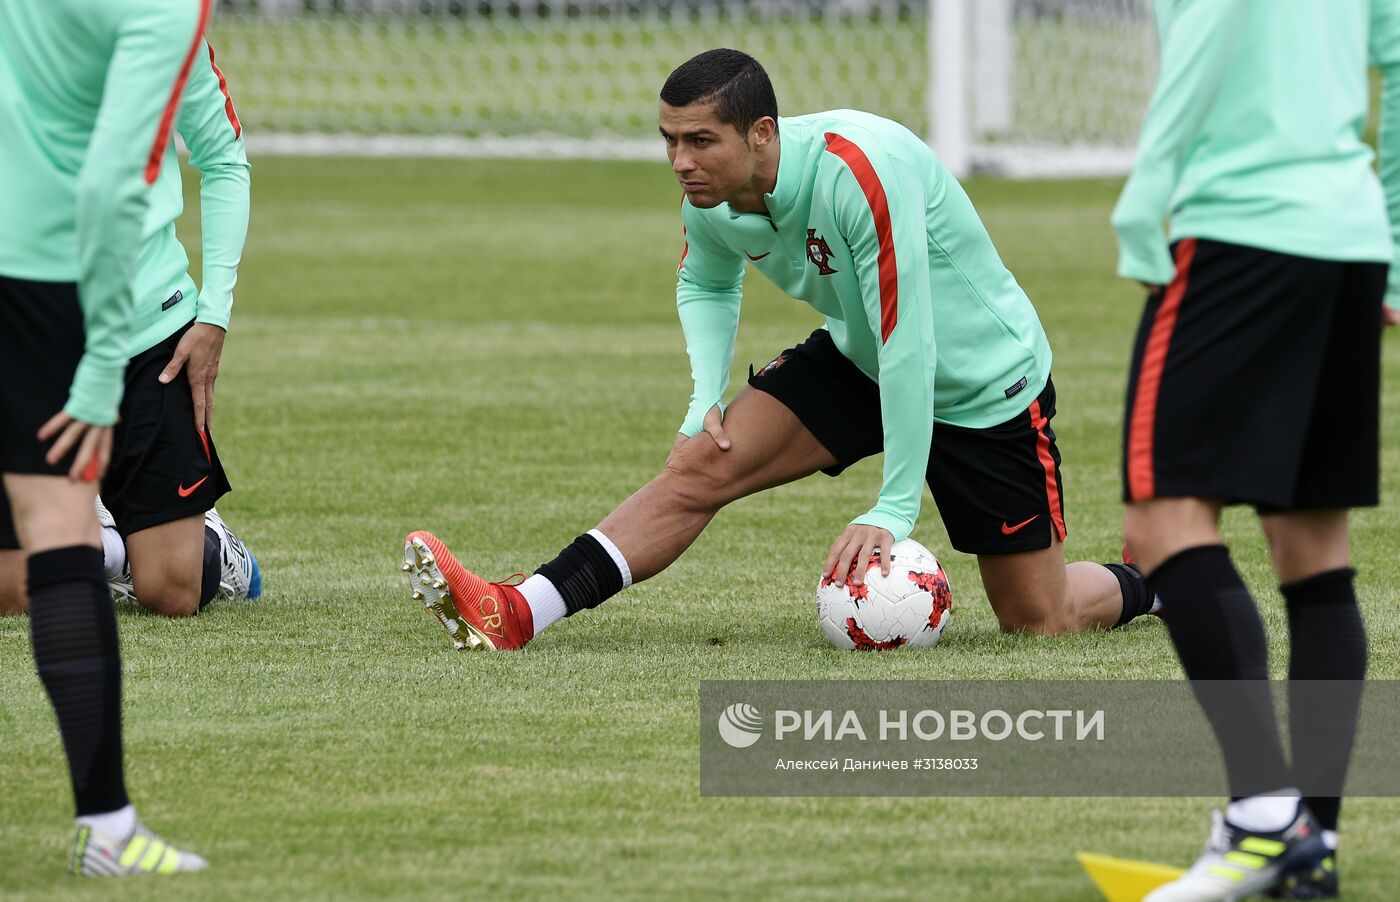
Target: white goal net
(1020,86)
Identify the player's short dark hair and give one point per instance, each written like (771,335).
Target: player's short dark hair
(731,79)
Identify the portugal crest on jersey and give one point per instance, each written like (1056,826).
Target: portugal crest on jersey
(819,252)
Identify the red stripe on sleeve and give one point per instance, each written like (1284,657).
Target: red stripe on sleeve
(228,101)
(869,182)
(167,119)
(1142,421)
(1047,462)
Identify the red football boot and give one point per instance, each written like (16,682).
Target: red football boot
(475,613)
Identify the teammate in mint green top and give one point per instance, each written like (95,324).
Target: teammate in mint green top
(1272,249)
(76,215)
(931,354)
(89,91)
(165,476)
(1243,145)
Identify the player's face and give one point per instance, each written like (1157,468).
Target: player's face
(712,160)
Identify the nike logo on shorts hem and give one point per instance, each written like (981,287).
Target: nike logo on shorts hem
(755,259)
(187,492)
(1012,530)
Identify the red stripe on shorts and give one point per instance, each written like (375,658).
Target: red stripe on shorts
(1142,421)
(1052,485)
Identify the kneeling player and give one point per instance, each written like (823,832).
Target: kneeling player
(931,353)
(162,540)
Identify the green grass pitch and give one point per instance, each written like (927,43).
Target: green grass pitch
(490,350)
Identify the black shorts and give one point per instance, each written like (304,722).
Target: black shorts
(41,342)
(162,468)
(1256,380)
(998,489)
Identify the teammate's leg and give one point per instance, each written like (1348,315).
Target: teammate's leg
(181,565)
(12,597)
(1216,629)
(1157,530)
(1327,641)
(74,632)
(644,535)
(1189,446)
(168,567)
(1304,544)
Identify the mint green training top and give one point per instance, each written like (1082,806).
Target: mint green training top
(210,128)
(88,95)
(868,227)
(1254,134)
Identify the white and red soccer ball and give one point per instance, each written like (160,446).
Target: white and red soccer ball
(910,607)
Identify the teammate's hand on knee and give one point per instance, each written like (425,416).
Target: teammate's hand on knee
(94,444)
(858,543)
(1390,316)
(714,425)
(198,352)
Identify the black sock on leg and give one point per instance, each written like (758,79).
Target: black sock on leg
(213,566)
(74,632)
(1137,595)
(1327,642)
(1218,635)
(584,573)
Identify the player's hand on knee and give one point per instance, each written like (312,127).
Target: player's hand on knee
(198,353)
(714,425)
(858,543)
(1390,316)
(94,444)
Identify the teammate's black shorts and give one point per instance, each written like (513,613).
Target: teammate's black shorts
(1256,380)
(998,489)
(41,342)
(162,468)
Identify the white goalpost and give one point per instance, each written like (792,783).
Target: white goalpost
(1021,87)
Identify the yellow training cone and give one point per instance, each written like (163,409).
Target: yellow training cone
(1123,880)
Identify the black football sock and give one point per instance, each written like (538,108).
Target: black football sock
(213,566)
(74,631)
(1328,642)
(1137,595)
(584,573)
(1219,637)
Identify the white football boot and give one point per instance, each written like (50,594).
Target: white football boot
(1239,863)
(239,573)
(95,854)
(120,585)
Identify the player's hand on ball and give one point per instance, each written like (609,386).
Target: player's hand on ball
(198,352)
(858,543)
(94,444)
